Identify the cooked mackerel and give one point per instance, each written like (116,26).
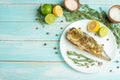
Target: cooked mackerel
(85,42)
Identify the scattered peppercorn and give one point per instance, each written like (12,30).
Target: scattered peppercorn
(56,35)
(117,61)
(56,52)
(87,66)
(107,39)
(118,67)
(36,28)
(102,44)
(78,56)
(110,70)
(100,63)
(95,34)
(47,33)
(36,19)
(45,44)
(86,63)
(54,48)
(61,21)
(61,28)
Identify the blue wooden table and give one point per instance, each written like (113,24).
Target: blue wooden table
(30,52)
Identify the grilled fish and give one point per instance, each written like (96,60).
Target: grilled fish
(86,43)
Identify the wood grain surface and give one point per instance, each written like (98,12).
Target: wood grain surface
(29,51)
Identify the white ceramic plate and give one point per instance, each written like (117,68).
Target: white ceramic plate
(109,42)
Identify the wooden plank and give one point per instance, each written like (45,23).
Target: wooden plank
(30,51)
(18,12)
(53,71)
(30,31)
(58,1)
(33,51)
(29,12)
(22,26)
(29,1)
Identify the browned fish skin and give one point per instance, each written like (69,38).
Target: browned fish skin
(85,42)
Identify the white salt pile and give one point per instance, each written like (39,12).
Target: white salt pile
(71,4)
(115,13)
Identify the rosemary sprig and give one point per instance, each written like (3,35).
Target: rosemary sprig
(82,60)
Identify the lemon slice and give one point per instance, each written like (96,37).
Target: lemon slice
(50,18)
(57,11)
(74,35)
(93,26)
(103,31)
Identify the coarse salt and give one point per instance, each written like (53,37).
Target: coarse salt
(71,4)
(115,14)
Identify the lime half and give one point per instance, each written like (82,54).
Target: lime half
(46,9)
(50,18)
(103,31)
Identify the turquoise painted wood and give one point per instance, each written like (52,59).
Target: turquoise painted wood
(30,51)
(28,31)
(16,12)
(23,55)
(52,71)
(57,1)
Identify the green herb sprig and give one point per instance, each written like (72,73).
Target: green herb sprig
(82,60)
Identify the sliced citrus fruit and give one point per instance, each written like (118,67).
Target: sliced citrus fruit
(74,35)
(57,11)
(103,31)
(50,18)
(93,26)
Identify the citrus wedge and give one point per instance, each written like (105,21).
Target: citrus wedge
(103,31)
(50,18)
(46,9)
(74,35)
(93,26)
(57,11)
